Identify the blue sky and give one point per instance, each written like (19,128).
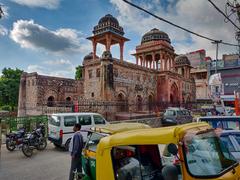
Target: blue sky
(49,36)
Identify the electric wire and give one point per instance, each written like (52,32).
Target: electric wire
(180,27)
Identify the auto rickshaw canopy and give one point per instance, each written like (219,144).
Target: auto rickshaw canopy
(118,127)
(163,135)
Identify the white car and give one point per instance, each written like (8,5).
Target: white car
(60,126)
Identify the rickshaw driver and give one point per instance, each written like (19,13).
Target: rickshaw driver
(124,162)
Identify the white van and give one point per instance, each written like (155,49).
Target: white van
(60,126)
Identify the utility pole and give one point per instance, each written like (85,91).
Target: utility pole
(216,42)
(235,8)
(238,32)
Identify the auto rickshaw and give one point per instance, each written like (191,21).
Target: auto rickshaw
(95,134)
(134,154)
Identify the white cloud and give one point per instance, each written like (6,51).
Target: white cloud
(35,68)
(3,31)
(48,4)
(59,68)
(58,62)
(196,15)
(34,36)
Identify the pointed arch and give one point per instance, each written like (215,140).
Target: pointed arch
(174,93)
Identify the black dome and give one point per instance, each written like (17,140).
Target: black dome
(154,35)
(108,18)
(182,60)
(108,23)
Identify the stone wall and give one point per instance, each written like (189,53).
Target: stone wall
(36,91)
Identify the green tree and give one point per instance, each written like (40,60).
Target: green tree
(79,72)
(9,87)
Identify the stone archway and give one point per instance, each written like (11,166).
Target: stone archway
(174,93)
(122,105)
(139,103)
(150,102)
(50,101)
(158,61)
(69,101)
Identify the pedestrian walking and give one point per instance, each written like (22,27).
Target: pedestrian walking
(75,148)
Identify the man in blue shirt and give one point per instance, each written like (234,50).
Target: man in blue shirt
(75,148)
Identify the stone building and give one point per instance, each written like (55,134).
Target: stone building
(200,73)
(158,75)
(37,92)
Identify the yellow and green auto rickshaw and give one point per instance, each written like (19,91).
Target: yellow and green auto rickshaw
(94,136)
(197,150)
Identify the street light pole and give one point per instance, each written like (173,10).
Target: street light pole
(216,42)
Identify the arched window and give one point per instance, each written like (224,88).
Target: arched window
(150,102)
(50,101)
(69,101)
(183,73)
(122,103)
(139,103)
(174,94)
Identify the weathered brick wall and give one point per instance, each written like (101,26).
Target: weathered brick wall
(36,89)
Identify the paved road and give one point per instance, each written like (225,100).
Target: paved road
(50,164)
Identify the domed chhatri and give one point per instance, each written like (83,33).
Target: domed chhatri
(108,23)
(108,18)
(155,35)
(108,33)
(182,60)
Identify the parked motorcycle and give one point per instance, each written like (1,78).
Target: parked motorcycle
(15,139)
(34,140)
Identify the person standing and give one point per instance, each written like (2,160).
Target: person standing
(75,148)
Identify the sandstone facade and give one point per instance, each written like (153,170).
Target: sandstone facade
(158,76)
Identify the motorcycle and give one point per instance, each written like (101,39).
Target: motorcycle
(34,140)
(15,139)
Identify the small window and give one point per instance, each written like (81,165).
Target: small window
(69,121)
(54,120)
(98,73)
(85,120)
(98,119)
(180,113)
(92,94)
(90,74)
(170,113)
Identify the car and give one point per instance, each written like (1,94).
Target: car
(174,116)
(223,122)
(231,139)
(60,126)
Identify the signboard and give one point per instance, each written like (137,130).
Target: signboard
(231,63)
(220,64)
